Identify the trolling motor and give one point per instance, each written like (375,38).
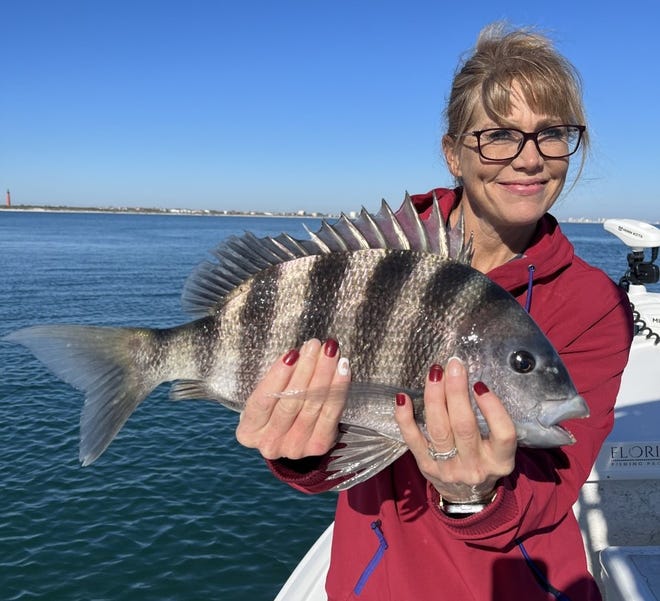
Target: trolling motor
(639,236)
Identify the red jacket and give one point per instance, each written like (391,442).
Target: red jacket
(391,541)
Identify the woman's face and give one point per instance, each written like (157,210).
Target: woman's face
(516,192)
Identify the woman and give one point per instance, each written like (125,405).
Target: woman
(461,517)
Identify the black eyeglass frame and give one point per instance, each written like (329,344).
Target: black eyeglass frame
(534,136)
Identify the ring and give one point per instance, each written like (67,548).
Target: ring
(438,456)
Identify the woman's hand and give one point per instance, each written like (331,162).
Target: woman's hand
(291,425)
(472,472)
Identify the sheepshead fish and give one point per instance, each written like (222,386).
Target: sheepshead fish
(398,294)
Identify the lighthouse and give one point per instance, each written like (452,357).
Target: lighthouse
(8,199)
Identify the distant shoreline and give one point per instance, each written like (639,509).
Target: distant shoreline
(152,211)
(211,212)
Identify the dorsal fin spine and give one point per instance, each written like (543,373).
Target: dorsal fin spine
(400,239)
(371,230)
(323,247)
(346,226)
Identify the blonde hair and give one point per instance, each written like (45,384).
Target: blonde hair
(550,84)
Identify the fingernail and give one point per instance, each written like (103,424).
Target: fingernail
(400,399)
(331,347)
(480,388)
(310,347)
(435,373)
(291,357)
(454,366)
(343,367)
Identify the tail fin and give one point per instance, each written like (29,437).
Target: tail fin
(101,362)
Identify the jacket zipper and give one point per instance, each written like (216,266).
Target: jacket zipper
(375,560)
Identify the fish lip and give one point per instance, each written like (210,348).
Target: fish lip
(538,436)
(555,411)
(570,439)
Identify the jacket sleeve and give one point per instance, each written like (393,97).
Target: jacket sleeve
(309,475)
(545,484)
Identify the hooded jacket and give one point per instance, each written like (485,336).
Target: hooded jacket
(392,542)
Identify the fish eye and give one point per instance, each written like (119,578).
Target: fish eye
(522,361)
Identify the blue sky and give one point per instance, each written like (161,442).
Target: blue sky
(294,104)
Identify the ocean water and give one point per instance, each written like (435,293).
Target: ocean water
(175,508)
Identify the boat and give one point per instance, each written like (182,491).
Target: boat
(619,506)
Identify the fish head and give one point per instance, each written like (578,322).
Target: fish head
(507,351)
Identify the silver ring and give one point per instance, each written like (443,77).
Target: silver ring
(438,456)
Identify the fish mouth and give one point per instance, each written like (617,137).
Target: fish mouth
(545,431)
(553,412)
(533,434)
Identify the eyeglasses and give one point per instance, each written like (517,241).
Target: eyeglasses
(505,143)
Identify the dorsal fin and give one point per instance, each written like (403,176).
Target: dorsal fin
(241,257)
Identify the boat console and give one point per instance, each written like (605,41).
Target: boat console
(619,506)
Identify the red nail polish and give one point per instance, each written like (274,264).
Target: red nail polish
(480,388)
(291,357)
(435,373)
(331,347)
(400,399)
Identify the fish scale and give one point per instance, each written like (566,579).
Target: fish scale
(383,285)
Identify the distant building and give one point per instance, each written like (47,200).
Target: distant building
(8,199)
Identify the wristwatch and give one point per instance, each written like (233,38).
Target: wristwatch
(460,509)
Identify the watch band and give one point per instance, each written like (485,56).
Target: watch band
(464,508)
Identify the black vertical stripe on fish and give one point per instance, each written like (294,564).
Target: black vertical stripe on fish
(325,280)
(256,318)
(443,301)
(380,300)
